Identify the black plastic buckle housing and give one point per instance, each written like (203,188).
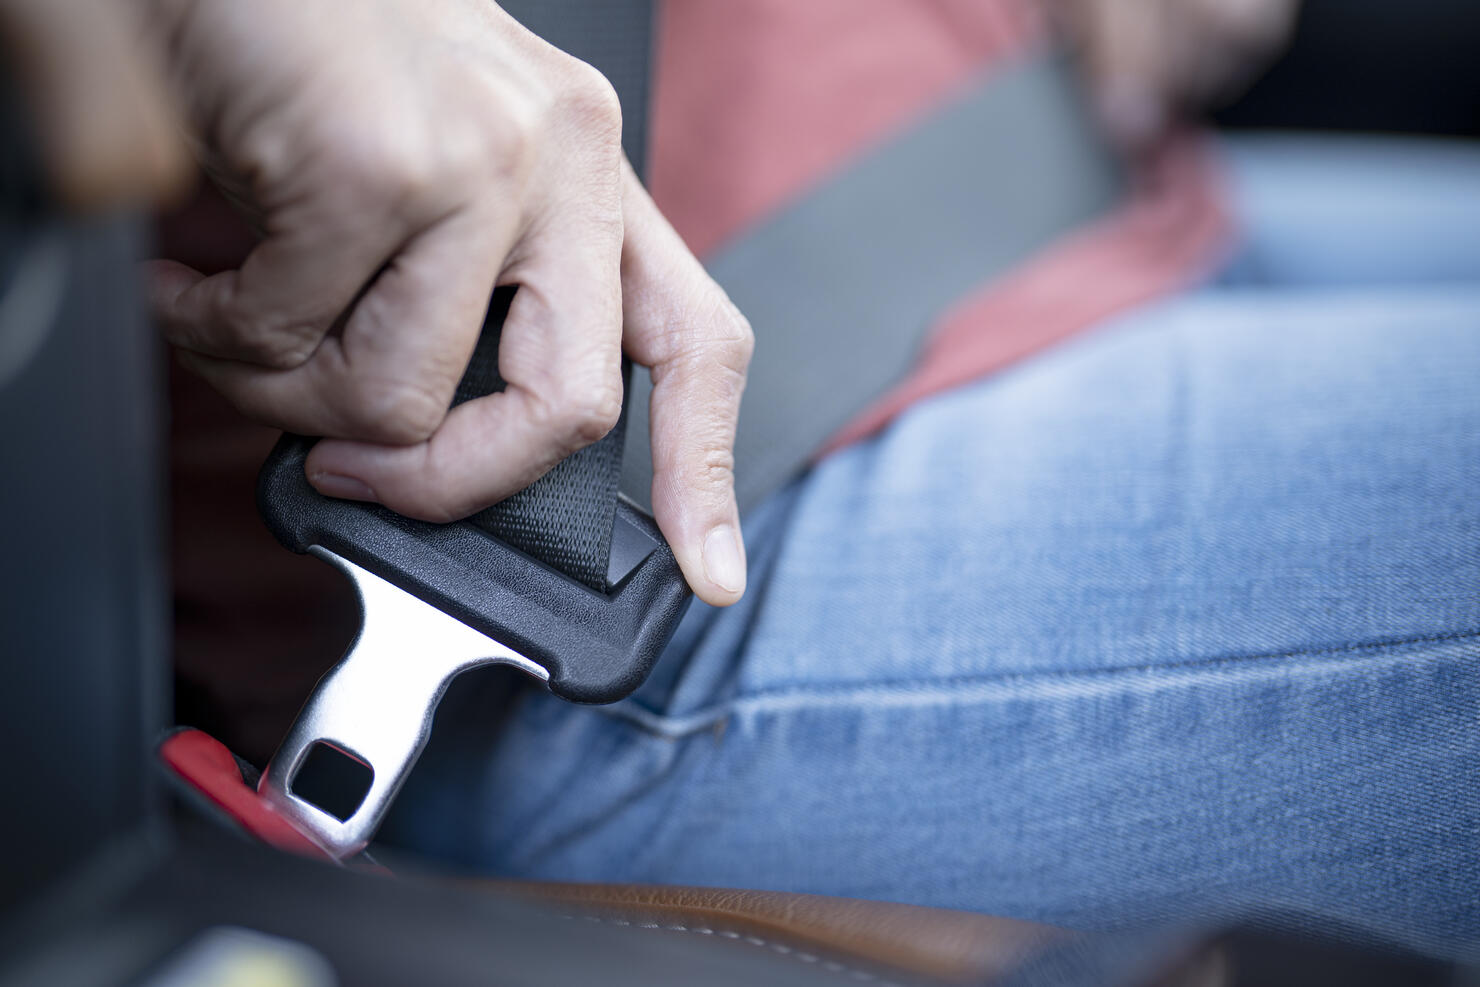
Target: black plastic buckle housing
(597,647)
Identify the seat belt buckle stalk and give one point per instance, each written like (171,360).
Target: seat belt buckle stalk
(436,600)
(372,713)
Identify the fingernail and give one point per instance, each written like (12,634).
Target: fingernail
(341,486)
(723,562)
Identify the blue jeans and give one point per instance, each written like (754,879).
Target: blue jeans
(1180,617)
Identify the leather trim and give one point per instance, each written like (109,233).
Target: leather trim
(933,942)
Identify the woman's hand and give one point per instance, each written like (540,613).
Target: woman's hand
(402,157)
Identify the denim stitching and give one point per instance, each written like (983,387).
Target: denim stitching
(787,688)
(677,727)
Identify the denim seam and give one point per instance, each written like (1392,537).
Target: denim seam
(787,688)
(704,718)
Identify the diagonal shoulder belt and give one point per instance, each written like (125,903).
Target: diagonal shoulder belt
(842,287)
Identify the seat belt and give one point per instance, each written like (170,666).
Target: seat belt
(574,584)
(843,287)
(566,518)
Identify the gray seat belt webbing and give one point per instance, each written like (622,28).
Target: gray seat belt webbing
(565,519)
(843,286)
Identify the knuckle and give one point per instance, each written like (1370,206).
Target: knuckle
(709,333)
(409,168)
(715,469)
(729,340)
(580,414)
(738,344)
(286,349)
(503,143)
(594,411)
(384,169)
(590,101)
(705,477)
(267,339)
(398,412)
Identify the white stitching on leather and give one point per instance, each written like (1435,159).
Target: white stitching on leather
(831,966)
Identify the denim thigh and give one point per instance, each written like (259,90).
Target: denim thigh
(1181,616)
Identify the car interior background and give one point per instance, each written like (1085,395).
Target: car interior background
(116,873)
